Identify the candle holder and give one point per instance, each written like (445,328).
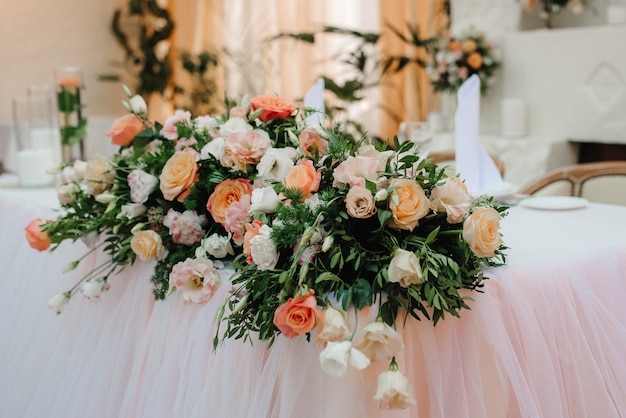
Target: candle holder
(72,111)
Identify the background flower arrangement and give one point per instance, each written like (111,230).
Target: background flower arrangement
(454,60)
(316,224)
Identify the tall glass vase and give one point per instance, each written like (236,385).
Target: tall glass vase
(72,110)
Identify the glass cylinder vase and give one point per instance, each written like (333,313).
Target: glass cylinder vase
(72,111)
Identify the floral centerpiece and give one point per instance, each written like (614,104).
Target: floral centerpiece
(547,8)
(312,222)
(454,60)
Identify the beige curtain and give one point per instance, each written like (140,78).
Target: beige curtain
(407,95)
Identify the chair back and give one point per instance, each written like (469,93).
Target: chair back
(447,160)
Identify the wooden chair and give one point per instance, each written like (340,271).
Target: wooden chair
(602,182)
(447,158)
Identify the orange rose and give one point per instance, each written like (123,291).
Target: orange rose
(297,316)
(303,177)
(454,46)
(125,129)
(37,239)
(69,81)
(179,174)
(474,60)
(274,107)
(226,193)
(468,45)
(480,231)
(408,204)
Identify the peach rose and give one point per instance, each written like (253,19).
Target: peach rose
(179,174)
(125,129)
(274,107)
(225,194)
(147,245)
(454,46)
(312,142)
(303,177)
(480,231)
(453,198)
(360,203)
(37,239)
(297,316)
(474,60)
(99,175)
(468,45)
(408,204)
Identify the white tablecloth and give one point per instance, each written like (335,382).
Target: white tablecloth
(546,338)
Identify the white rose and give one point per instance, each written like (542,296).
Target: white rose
(215,147)
(233,125)
(264,199)
(276,163)
(58,302)
(133,210)
(217,246)
(394,390)
(263,250)
(405,268)
(335,357)
(93,288)
(138,105)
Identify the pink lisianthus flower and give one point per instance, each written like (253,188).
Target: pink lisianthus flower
(185,228)
(247,147)
(170,127)
(197,278)
(355,170)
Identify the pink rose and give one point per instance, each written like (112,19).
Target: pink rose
(355,170)
(196,278)
(453,198)
(170,127)
(37,239)
(185,228)
(247,147)
(125,129)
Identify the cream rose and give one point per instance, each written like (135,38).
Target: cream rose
(481,231)
(408,204)
(360,203)
(179,174)
(99,175)
(147,245)
(405,268)
(453,198)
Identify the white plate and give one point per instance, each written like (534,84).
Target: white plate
(554,202)
(506,190)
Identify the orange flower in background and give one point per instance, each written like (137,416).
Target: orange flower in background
(475,60)
(274,107)
(125,129)
(226,193)
(37,239)
(298,315)
(468,45)
(408,204)
(179,174)
(69,81)
(303,177)
(454,46)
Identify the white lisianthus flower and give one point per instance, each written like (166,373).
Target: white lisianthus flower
(133,210)
(93,288)
(378,341)
(217,246)
(205,123)
(141,185)
(79,167)
(334,327)
(263,250)
(276,163)
(58,302)
(264,199)
(66,193)
(234,125)
(138,105)
(405,268)
(394,390)
(215,147)
(335,357)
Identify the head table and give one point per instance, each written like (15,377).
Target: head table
(546,338)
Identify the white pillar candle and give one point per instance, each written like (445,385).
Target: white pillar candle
(513,117)
(48,138)
(33,166)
